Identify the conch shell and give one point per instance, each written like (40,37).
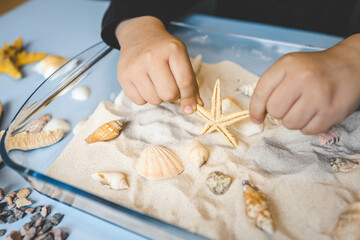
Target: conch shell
(328,138)
(105,132)
(348,226)
(257,208)
(247,89)
(342,164)
(38,124)
(158,162)
(198,155)
(112,180)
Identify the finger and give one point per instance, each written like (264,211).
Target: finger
(147,90)
(164,82)
(299,115)
(283,97)
(185,78)
(316,125)
(133,94)
(264,88)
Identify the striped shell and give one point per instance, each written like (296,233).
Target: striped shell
(257,208)
(157,162)
(328,138)
(105,132)
(112,180)
(348,226)
(38,124)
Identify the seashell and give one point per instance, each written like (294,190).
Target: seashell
(328,138)
(81,93)
(57,123)
(257,208)
(247,128)
(158,162)
(198,155)
(348,225)
(229,105)
(218,182)
(342,165)
(38,124)
(27,141)
(112,180)
(196,63)
(273,121)
(105,132)
(79,126)
(51,63)
(247,89)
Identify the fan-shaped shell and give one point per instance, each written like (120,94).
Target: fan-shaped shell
(105,132)
(112,180)
(198,155)
(348,226)
(158,162)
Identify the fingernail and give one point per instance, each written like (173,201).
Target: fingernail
(255,120)
(188,109)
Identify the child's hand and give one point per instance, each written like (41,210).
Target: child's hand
(154,66)
(311,91)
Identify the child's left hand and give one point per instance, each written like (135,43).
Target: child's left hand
(311,91)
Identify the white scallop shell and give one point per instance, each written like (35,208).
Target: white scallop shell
(158,162)
(348,226)
(248,89)
(198,155)
(57,123)
(229,105)
(79,126)
(81,93)
(112,180)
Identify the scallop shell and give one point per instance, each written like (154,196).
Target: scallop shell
(218,182)
(273,121)
(247,89)
(328,138)
(112,180)
(229,105)
(158,162)
(257,208)
(38,124)
(105,132)
(198,155)
(348,226)
(342,164)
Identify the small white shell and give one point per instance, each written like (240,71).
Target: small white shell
(247,89)
(229,105)
(81,93)
(198,155)
(247,128)
(112,180)
(342,164)
(348,226)
(51,63)
(57,123)
(79,126)
(158,162)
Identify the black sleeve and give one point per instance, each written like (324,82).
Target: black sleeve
(354,22)
(120,10)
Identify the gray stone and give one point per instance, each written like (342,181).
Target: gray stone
(2,232)
(56,218)
(11,219)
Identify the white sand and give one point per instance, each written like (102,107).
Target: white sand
(306,197)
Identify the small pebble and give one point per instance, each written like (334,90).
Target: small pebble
(49,237)
(218,182)
(81,93)
(45,210)
(56,219)
(2,220)
(14,235)
(38,208)
(11,206)
(29,210)
(59,234)
(22,202)
(2,194)
(2,205)
(12,194)
(19,213)
(30,234)
(25,229)
(8,200)
(39,222)
(11,219)
(35,217)
(6,213)
(23,193)
(44,236)
(2,232)
(46,226)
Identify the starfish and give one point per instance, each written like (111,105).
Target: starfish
(215,120)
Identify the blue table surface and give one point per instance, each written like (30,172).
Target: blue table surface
(67,27)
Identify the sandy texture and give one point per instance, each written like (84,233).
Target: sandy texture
(306,197)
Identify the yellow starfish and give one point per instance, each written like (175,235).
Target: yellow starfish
(215,120)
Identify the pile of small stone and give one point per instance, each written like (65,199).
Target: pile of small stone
(39,228)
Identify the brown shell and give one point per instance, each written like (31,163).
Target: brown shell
(348,226)
(105,132)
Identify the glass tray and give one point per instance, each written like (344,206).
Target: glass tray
(96,68)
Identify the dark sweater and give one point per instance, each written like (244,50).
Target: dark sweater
(337,17)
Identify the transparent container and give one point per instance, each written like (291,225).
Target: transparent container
(96,68)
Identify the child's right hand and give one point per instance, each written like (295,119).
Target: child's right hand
(154,66)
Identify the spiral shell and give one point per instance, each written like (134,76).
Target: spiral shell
(257,208)
(198,155)
(105,132)
(112,180)
(158,162)
(348,226)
